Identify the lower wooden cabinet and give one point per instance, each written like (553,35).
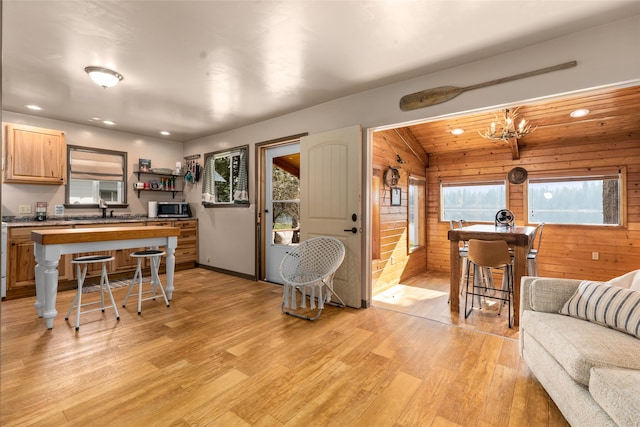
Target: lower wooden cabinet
(21,259)
(21,263)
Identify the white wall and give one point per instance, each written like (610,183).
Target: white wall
(162,153)
(605,56)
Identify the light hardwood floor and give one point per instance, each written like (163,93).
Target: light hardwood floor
(223,354)
(426,295)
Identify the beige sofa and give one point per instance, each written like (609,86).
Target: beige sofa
(591,372)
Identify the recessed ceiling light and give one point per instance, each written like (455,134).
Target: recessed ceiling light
(579,113)
(34,107)
(165,133)
(457,131)
(103,76)
(108,122)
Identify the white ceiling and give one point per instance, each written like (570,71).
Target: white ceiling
(196,68)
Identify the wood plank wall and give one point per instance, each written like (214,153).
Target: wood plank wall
(566,251)
(394,263)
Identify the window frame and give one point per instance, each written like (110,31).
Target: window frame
(421,183)
(576,174)
(67,192)
(466,181)
(233,203)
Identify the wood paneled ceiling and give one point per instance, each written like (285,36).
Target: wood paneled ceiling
(613,112)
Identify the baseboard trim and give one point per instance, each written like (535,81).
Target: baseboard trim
(229,272)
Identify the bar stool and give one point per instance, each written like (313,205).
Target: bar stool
(82,263)
(493,254)
(154,256)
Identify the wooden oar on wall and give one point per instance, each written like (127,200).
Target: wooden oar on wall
(442,94)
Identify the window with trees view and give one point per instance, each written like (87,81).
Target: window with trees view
(587,200)
(416,211)
(225,178)
(285,199)
(95,174)
(476,202)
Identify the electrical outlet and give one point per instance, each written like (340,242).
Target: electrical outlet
(24,209)
(595,256)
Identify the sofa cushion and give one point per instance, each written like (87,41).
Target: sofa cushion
(615,307)
(578,345)
(617,391)
(630,280)
(549,294)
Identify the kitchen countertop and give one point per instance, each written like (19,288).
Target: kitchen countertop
(16,222)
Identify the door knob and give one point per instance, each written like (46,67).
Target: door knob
(352,229)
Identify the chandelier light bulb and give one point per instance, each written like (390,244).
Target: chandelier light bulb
(505,130)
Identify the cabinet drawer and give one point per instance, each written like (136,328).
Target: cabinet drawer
(186,224)
(160,223)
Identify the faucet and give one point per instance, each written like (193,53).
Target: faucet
(103,205)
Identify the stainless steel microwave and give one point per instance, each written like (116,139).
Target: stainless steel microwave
(173,210)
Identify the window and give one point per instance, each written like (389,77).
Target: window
(95,174)
(416,202)
(472,201)
(226,178)
(587,199)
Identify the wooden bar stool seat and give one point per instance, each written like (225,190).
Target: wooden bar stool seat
(154,256)
(82,263)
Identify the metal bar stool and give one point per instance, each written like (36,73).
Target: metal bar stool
(154,256)
(492,254)
(82,263)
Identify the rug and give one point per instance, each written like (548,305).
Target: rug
(114,284)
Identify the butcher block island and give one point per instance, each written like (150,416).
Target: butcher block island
(21,277)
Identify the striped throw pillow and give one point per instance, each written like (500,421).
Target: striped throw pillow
(615,307)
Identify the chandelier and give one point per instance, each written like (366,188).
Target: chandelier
(504,129)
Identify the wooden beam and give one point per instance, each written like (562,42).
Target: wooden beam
(515,152)
(412,143)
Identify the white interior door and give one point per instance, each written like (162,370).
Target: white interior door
(280,217)
(330,186)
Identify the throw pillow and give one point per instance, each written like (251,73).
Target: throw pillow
(612,306)
(630,280)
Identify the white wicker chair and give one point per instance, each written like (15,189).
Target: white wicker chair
(309,269)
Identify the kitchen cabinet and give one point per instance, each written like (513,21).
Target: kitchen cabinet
(34,155)
(161,178)
(21,263)
(187,250)
(21,258)
(123,262)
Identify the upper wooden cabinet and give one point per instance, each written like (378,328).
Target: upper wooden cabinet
(34,155)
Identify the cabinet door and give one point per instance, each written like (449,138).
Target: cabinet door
(34,155)
(123,260)
(187,250)
(21,263)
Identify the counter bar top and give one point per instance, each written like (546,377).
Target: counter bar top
(100,234)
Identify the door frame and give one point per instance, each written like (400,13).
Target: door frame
(367,176)
(260,185)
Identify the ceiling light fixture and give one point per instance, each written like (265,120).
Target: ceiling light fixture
(579,113)
(103,76)
(505,129)
(165,133)
(108,122)
(34,107)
